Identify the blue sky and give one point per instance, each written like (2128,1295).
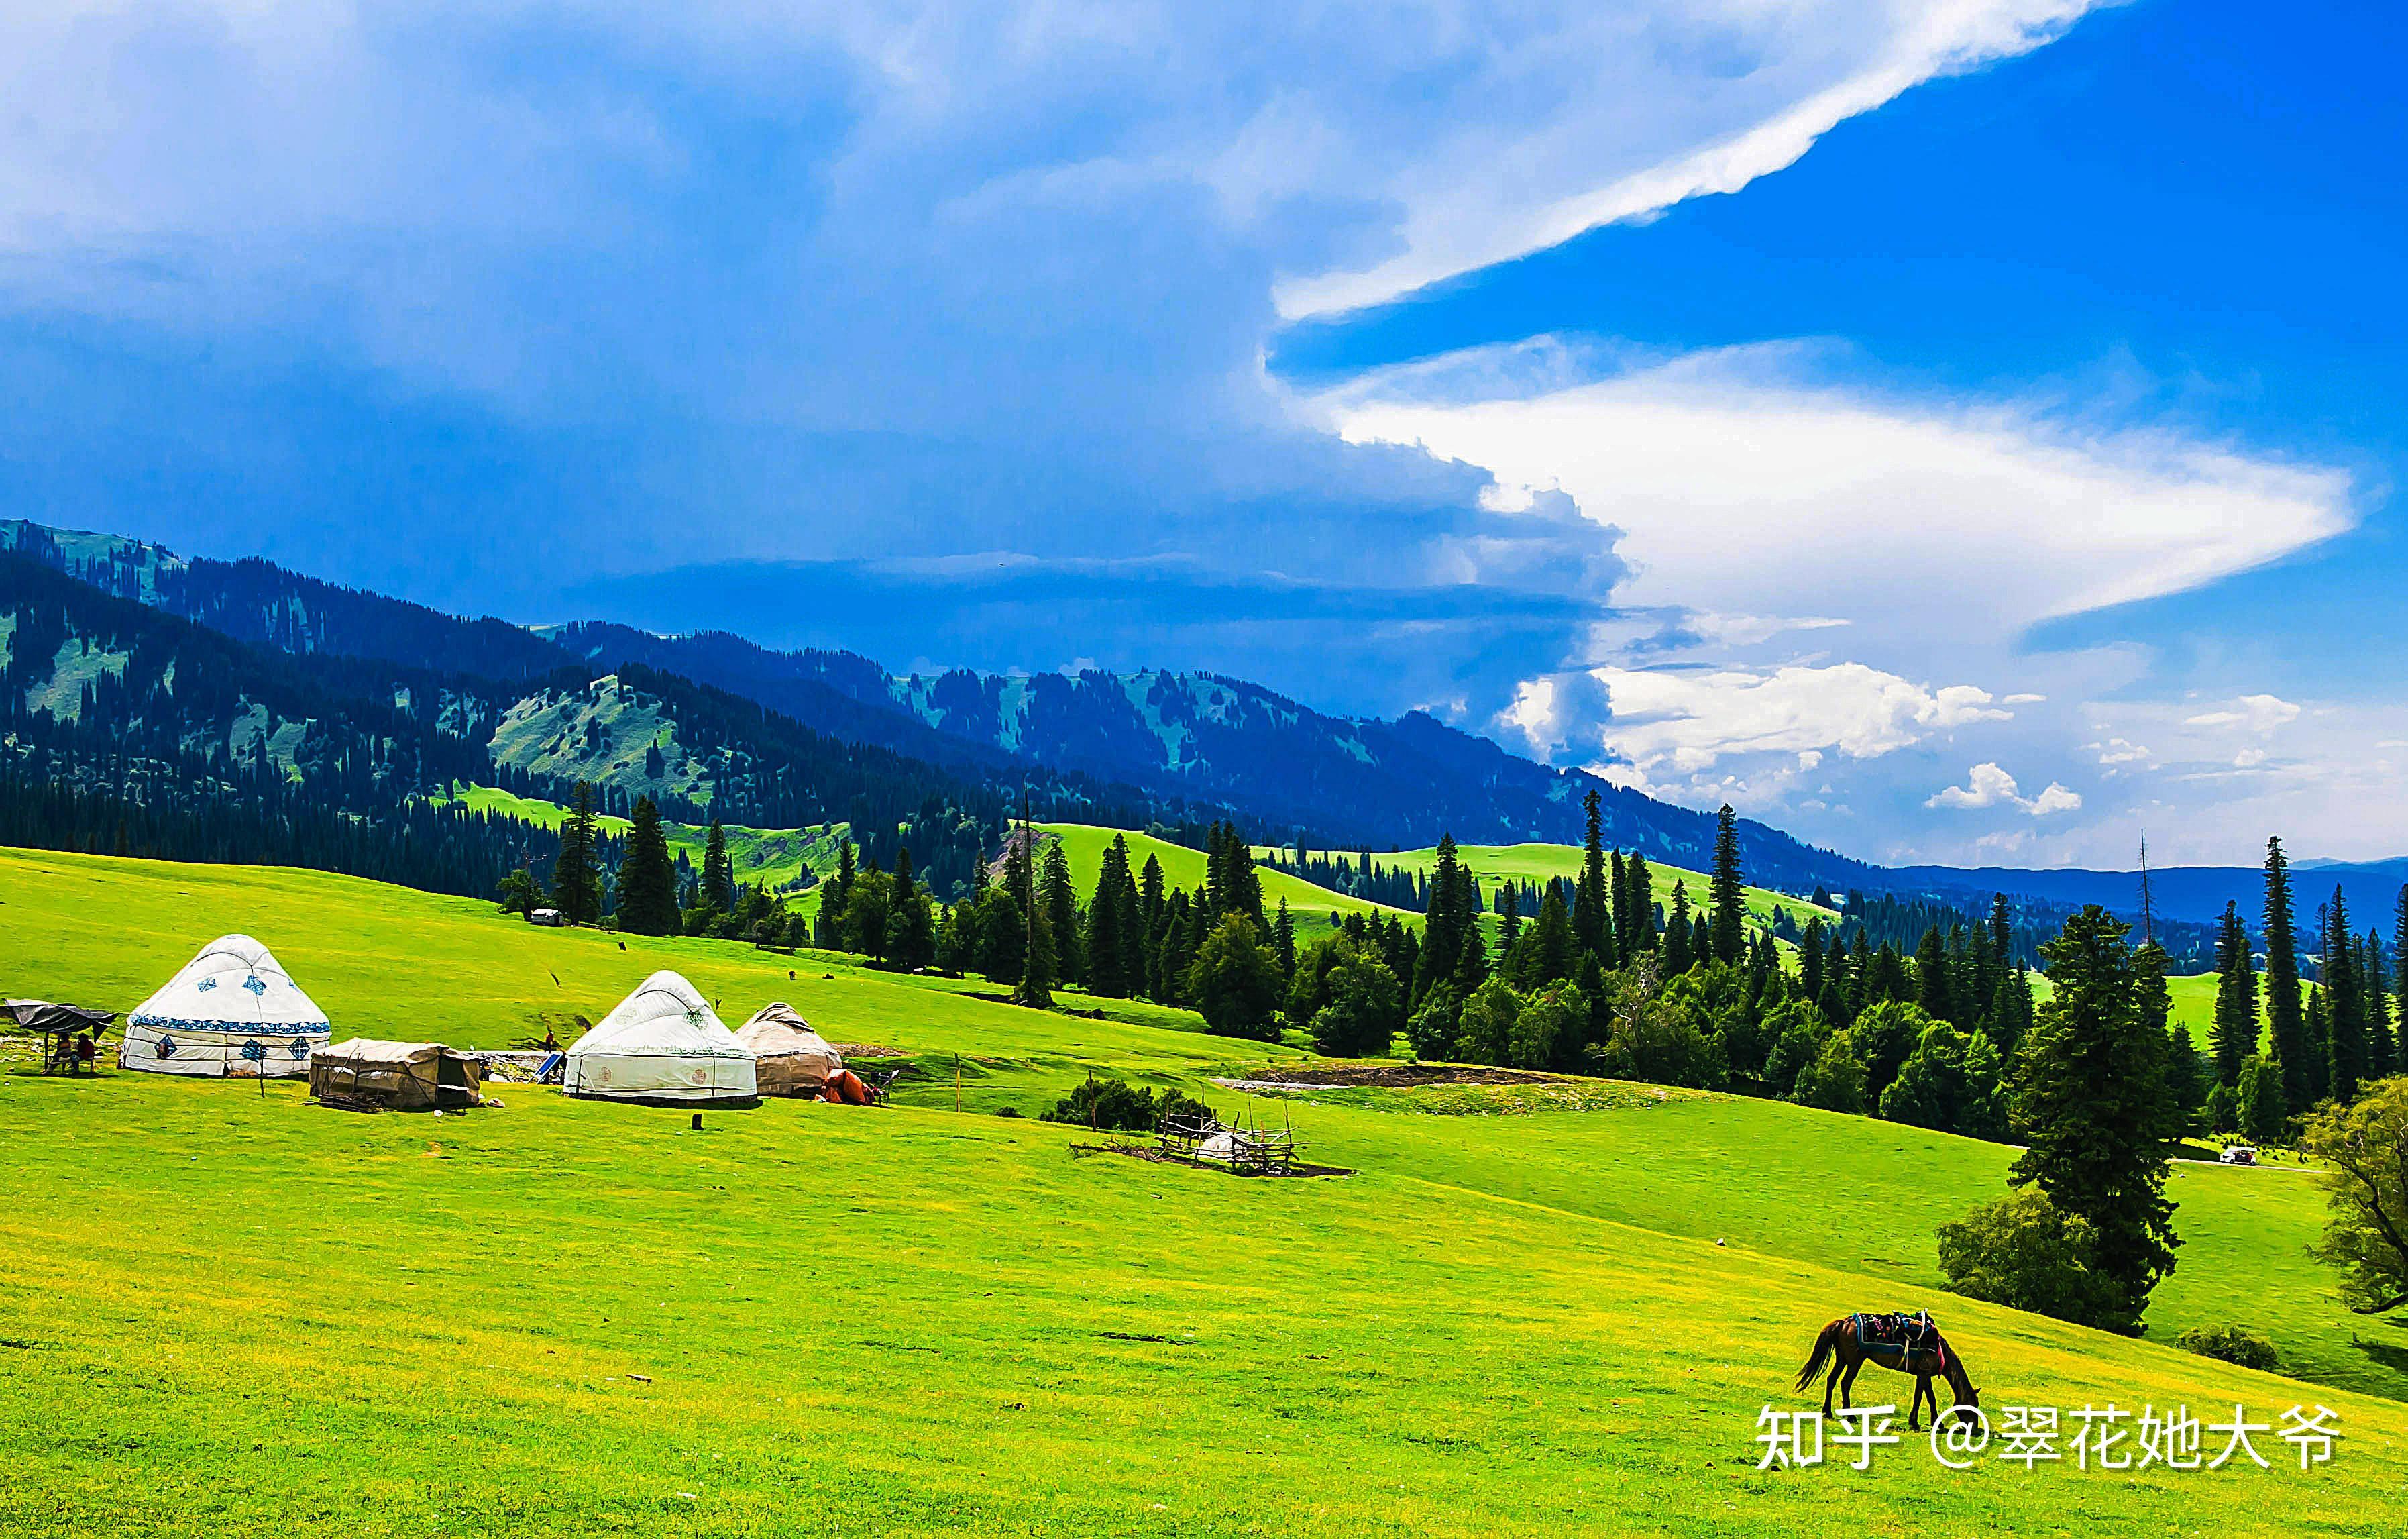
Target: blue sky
(1958,431)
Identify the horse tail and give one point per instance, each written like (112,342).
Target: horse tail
(1824,1345)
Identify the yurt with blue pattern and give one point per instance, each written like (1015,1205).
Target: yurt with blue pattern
(232,1013)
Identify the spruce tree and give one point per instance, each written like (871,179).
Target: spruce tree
(2235,1034)
(1104,950)
(1677,958)
(910,921)
(1284,941)
(1637,933)
(1551,941)
(1625,950)
(2286,1022)
(647,877)
(718,872)
(2345,1005)
(1931,979)
(1592,927)
(836,894)
(1443,923)
(1060,909)
(576,875)
(2090,1093)
(2382,1047)
(1727,893)
(1037,976)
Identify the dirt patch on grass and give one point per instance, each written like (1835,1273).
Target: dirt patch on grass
(1387,1076)
(866,1050)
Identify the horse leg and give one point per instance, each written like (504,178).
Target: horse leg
(1830,1382)
(1915,1406)
(1848,1385)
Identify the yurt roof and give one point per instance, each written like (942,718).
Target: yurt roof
(233,985)
(777,1030)
(664,1017)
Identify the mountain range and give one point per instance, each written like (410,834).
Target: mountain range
(712,723)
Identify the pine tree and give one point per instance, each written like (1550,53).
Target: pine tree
(1639,933)
(2382,1047)
(1625,950)
(1105,914)
(1550,943)
(2235,1034)
(1037,976)
(2153,1003)
(2090,1093)
(1284,941)
(1809,959)
(1931,979)
(647,877)
(2317,1022)
(575,876)
(1677,958)
(1443,923)
(1592,928)
(911,922)
(1727,893)
(1060,909)
(836,893)
(1509,914)
(2286,1023)
(718,874)
(2345,1005)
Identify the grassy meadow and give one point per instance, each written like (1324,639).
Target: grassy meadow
(238,1313)
(774,858)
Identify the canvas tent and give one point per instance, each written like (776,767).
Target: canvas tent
(405,1076)
(790,1058)
(663,1046)
(232,1011)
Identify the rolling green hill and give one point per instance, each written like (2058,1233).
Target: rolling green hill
(774,857)
(1538,862)
(1083,845)
(910,1320)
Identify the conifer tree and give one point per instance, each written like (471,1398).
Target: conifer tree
(1637,933)
(1809,959)
(2345,1005)
(576,875)
(1035,990)
(1677,958)
(2284,1020)
(910,923)
(1060,908)
(1550,941)
(1284,941)
(2382,1047)
(1106,972)
(1625,950)
(1727,893)
(2233,1035)
(2090,1093)
(1149,892)
(718,874)
(1509,914)
(1444,923)
(835,894)
(1931,979)
(2316,1026)
(1592,928)
(647,878)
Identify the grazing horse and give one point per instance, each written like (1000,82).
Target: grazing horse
(1845,1349)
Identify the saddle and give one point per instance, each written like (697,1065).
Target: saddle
(1898,1334)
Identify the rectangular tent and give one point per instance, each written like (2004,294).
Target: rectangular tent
(402,1076)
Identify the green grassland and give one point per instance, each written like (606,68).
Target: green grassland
(774,858)
(1495,863)
(237,1313)
(1083,845)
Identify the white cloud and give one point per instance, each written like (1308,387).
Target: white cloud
(1687,720)
(2118,751)
(1988,785)
(1739,484)
(2025,699)
(2259,713)
(1474,198)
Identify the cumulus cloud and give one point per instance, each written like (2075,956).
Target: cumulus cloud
(1988,785)
(1687,720)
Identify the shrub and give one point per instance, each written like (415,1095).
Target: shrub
(1007,1111)
(2022,1251)
(1115,1106)
(2229,1344)
(1835,1081)
(1361,1017)
(1433,1027)
(1555,1016)
(1488,1019)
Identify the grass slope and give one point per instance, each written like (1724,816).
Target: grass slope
(1083,845)
(236,1312)
(777,856)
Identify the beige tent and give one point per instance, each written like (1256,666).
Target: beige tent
(405,1076)
(794,1059)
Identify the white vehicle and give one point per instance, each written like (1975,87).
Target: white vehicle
(2237,1154)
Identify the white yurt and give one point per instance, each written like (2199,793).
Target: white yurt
(232,1011)
(789,1058)
(663,1045)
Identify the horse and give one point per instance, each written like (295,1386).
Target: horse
(1846,1352)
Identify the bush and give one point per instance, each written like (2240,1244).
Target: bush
(1555,1016)
(1007,1111)
(2229,1344)
(1360,1020)
(1115,1106)
(1835,1081)
(2022,1251)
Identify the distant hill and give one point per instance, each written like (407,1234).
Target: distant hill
(2193,894)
